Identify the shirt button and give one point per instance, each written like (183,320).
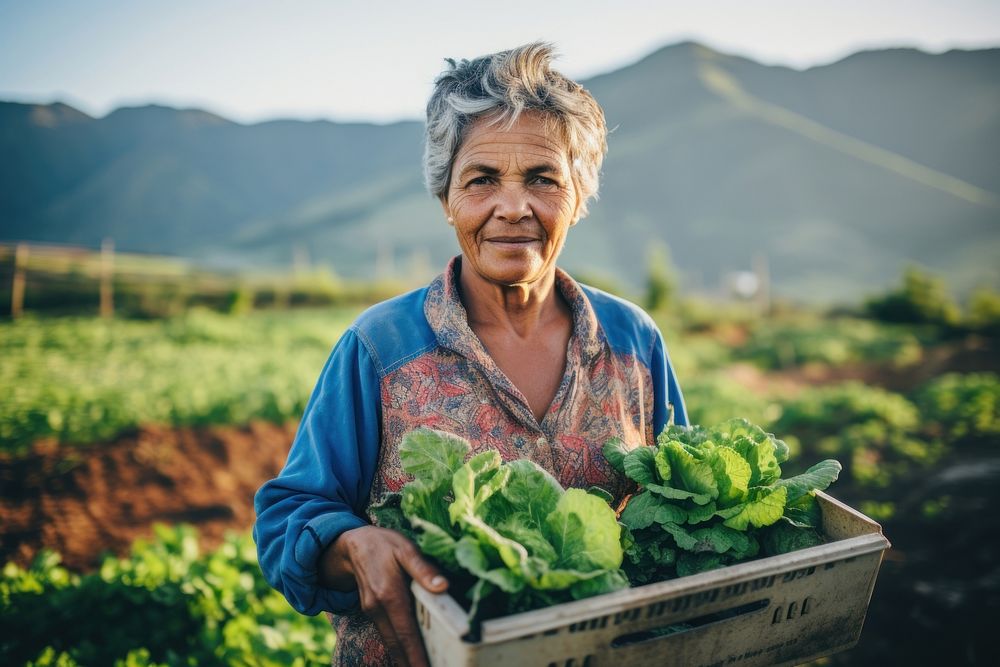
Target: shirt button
(541,442)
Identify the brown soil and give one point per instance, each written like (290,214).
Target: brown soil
(970,355)
(83,501)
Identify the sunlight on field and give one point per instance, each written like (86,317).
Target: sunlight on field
(896,405)
(84,380)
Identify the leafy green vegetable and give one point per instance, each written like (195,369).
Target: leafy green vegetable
(507,532)
(712,497)
(166,603)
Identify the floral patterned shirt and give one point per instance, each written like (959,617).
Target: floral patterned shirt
(414,361)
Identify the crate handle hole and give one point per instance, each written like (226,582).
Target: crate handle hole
(672,629)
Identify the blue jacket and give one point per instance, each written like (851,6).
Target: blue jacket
(413,361)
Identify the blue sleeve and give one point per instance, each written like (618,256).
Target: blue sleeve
(666,390)
(323,489)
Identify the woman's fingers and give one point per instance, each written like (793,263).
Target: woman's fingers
(385,628)
(417,567)
(383,593)
(381,560)
(407,635)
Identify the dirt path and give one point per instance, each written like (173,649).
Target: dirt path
(83,501)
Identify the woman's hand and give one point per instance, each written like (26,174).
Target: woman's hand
(380,562)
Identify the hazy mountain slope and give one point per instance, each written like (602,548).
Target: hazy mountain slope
(168,180)
(725,179)
(839,174)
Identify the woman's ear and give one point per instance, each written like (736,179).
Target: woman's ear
(578,207)
(447,210)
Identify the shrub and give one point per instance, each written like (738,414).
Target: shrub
(922,299)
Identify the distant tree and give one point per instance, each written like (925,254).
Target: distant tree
(239,301)
(984,311)
(661,277)
(922,299)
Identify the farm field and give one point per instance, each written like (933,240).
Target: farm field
(86,380)
(113,427)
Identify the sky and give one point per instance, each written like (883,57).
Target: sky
(376,60)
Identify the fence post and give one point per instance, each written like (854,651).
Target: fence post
(17,288)
(107,270)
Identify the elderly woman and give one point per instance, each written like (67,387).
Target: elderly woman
(503,349)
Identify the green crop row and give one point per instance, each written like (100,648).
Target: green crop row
(165,604)
(788,343)
(84,380)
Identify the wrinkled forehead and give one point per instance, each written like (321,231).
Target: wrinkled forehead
(531,134)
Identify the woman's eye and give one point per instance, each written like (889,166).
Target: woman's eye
(480,180)
(543,180)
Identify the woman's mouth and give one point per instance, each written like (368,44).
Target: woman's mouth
(512,240)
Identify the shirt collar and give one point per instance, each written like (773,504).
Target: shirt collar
(450,322)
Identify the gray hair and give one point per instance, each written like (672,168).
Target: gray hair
(501,86)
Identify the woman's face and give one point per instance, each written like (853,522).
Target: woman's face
(512,198)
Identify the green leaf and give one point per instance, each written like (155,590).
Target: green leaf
(560,579)
(520,528)
(606,582)
(615,452)
(669,513)
(682,537)
(692,563)
(732,475)
(720,539)
(598,492)
(716,538)
(781,450)
(689,435)
(639,465)
(584,532)
(645,508)
(804,512)
(435,541)
(670,493)
(512,526)
(467,480)
(783,537)
(764,467)
(640,510)
(690,473)
(432,456)
(389,513)
(745,545)
(531,491)
(650,556)
(490,483)
(764,506)
(427,503)
(816,478)
(513,554)
(475,483)
(699,513)
(662,464)
(471,556)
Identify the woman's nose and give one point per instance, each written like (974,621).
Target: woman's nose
(512,204)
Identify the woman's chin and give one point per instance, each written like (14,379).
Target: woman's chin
(512,271)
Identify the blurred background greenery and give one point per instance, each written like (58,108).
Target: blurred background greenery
(903,390)
(818,243)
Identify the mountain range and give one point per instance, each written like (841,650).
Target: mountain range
(837,175)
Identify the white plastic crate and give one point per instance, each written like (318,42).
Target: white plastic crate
(781,610)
